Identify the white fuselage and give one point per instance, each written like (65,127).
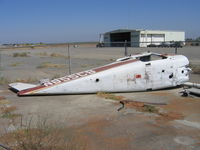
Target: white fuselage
(134,73)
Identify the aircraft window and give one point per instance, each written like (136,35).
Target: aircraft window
(151,58)
(144,58)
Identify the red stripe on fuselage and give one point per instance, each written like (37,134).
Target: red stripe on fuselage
(30,89)
(114,65)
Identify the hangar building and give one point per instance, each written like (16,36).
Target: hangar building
(141,38)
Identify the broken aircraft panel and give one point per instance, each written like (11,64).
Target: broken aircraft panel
(141,72)
(192,89)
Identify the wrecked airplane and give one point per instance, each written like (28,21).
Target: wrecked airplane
(141,72)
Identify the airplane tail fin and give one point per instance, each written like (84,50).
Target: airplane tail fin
(21,86)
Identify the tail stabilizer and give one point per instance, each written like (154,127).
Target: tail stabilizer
(21,86)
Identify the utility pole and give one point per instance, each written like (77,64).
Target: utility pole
(125,48)
(69,59)
(176,49)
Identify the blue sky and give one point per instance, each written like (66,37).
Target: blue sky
(83,20)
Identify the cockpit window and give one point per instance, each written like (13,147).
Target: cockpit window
(151,57)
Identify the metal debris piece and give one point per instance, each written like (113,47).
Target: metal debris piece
(137,103)
(190,89)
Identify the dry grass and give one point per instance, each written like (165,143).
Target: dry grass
(57,55)
(150,109)
(29,80)
(140,106)
(84,65)
(3,101)
(55,76)
(23,54)
(51,55)
(42,136)
(169,116)
(50,65)
(8,111)
(131,104)
(15,64)
(42,54)
(195,68)
(109,96)
(3,81)
(2,98)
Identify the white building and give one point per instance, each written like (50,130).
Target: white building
(141,38)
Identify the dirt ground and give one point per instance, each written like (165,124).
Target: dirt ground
(93,118)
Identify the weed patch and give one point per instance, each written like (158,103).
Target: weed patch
(50,65)
(7,112)
(195,68)
(24,54)
(14,64)
(3,81)
(42,54)
(150,109)
(29,80)
(109,96)
(42,137)
(57,55)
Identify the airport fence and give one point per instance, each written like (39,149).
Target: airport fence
(149,44)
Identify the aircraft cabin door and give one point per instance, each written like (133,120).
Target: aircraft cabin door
(148,76)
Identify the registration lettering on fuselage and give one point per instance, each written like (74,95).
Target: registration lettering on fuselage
(69,78)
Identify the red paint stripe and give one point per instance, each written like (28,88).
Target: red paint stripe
(23,92)
(114,65)
(138,76)
(30,89)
